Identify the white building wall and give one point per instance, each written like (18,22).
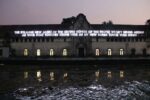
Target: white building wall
(58,45)
(43,46)
(116,46)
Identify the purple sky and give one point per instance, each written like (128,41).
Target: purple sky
(52,11)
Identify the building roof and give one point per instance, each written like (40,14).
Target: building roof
(73,23)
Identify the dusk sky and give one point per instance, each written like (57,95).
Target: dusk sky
(53,11)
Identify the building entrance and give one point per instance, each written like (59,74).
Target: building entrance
(81,52)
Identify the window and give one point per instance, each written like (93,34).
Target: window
(109,74)
(64,39)
(121,52)
(52,39)
(121,74)
(25,75)
(51,75)
(64,52)
(1,52)
(25,52)
(144,52)
(133,51)
(51,52)
(38,74)
(109,52)
(38,53)
(97,52)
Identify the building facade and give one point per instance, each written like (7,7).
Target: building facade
(74,37)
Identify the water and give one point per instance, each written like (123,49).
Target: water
(70,82)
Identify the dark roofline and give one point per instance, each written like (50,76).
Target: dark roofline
(65,27)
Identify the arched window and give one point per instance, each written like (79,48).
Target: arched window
(38,52)
(133,51)
(64,52)
(51,52)
(109,52)
(121,52)
(97,53)
(25,52)
(144,52)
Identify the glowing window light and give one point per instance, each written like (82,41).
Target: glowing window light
(25,52)
(97,53)
(51,75)
(25,75)
(64,52)
(109,52)
(97,75)
(51,52)
(109,74)
(65,75)
(38,75)
(38,52)
(121,74)
(121,52)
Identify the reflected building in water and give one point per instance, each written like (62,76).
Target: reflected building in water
(55,75)
(105,76)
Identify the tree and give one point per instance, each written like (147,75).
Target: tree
(148,22)
(104,23)
(107,23)
(110,22)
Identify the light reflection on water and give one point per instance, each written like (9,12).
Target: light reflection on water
(98,74)
(65,79)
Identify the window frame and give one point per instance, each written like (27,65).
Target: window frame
(65,52)
(109,52)
(51,52)
(38,52)
(26,52)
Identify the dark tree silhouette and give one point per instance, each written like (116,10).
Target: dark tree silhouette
(110,22)
(104,23)
(107,23)
(148,22)
(68,21)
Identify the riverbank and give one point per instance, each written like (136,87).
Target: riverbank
(76,61)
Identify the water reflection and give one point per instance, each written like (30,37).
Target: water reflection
(72,77)
(109,74)
(51,76)
(25,75)
(97,75)
(81,75)
(75,74)
(121,74)
(38,74)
